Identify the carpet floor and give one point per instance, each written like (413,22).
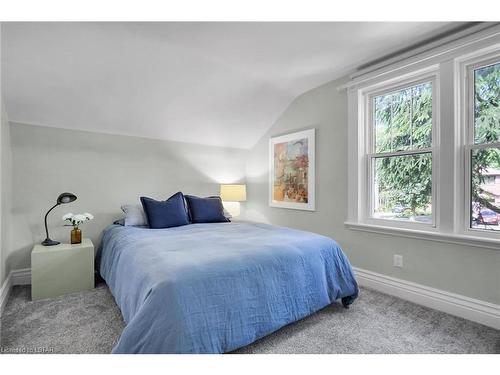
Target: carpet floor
(90,322)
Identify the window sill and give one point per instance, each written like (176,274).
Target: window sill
(459,239)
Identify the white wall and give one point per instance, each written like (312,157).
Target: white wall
(472,272)
(2,119)
(104,171)
(6,192)
(5,183)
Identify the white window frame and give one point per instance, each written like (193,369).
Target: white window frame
(467,104)
(371,154)
(448,65)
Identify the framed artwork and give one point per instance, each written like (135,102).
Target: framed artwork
(292,177)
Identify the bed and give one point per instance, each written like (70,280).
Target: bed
(213,288)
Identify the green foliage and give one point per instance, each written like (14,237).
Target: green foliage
(404,122)
(486,130)
(406,180)
(486,104)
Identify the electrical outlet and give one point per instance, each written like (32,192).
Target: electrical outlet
(398,260)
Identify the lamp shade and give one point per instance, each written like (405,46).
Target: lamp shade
(233,193)
(66,198)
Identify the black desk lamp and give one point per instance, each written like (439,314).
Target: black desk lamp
(62,199)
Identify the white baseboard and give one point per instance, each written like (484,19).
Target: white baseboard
(15,277)
(455,304)
(5,292)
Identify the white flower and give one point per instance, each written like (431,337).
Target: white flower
(68,216)
(80,218)
(88,216)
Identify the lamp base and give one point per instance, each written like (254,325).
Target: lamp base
(49,242)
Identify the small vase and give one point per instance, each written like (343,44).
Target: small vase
(76,236)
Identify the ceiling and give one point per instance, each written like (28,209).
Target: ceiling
(220,84)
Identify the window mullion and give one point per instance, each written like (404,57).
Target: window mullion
(411,117)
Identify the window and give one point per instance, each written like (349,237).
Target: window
(424,145)
(484,146)
(400,153)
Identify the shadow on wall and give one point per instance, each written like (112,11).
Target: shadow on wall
(324,109)
(104,172)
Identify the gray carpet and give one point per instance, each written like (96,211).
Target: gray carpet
(90,322)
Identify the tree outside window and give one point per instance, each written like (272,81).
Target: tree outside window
(402,161)
(485,153)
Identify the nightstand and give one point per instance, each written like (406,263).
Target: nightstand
(61,269)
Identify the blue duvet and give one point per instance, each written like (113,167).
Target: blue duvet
(212,288)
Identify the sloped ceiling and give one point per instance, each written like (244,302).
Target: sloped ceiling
(220,84)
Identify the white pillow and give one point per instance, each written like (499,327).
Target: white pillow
(227,215)
(135,215)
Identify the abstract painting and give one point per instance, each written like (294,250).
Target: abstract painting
(291,181)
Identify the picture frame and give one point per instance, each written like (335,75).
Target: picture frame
(292,177)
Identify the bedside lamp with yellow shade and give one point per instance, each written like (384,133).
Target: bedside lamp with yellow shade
(232,195)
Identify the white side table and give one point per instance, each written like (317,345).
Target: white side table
(61,269)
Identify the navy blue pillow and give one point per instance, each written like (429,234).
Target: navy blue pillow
(166,214)
(206,210)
